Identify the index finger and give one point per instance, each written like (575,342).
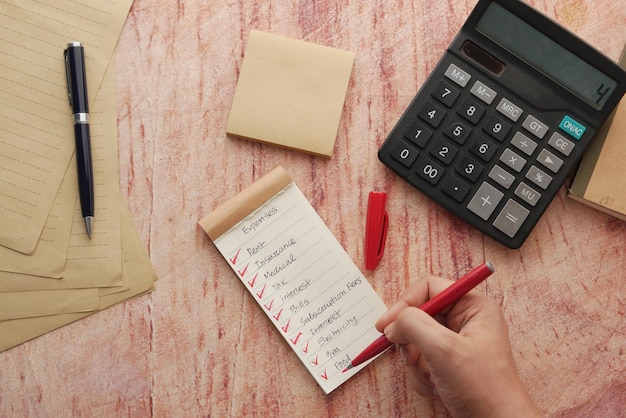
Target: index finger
(416,295)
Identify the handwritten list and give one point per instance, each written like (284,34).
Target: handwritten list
(299,274)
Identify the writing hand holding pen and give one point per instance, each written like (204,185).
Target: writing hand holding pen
(462,356)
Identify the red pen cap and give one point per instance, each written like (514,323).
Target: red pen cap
(375,229)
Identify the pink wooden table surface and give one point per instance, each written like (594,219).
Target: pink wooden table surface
(199,345)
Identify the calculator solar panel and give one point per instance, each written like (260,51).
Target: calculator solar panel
(503,118)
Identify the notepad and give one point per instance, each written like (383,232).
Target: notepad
(298,273)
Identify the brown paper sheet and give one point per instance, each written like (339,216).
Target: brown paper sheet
(35,119)
(49,257)
(137,268)
(95,262)
(47,302)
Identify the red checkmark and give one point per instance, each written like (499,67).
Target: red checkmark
(306,348)
(243,272)
(277,316)
(260,294)
(295,340)
(324,375)
(234,259)
(315,361)
(286,327)
(251,282)
(269,307)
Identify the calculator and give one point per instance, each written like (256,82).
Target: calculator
(503,118)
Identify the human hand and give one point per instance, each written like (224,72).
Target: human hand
(462,356)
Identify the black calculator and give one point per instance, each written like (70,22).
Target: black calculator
(503,118)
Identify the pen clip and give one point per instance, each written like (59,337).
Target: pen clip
(68,74)
(376,226)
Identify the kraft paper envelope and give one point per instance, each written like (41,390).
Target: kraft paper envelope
(48,259)
(35,119)
(18,305)
(137,268)
(95,262)
(290,93)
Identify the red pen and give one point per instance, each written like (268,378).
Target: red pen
(432,307)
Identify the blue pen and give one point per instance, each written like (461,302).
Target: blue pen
(77,91)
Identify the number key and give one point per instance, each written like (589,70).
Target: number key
(444,152)
(430,171)
(472,111)
(497,128)
(404,154)
(446,94)
(418,134)
(432,114)
(483,148)
(458,131)
(469,169)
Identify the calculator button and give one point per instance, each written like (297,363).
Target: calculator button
(561,144)
(432,114)
(512,160)
(511,218)
(469,169)
(535,126)
(523,143)
(472,111)
(572,127)
(457,75)
(446,94)
(550,161)
(458,131)
(483,92)
(444,151)
(483,148)
(539,177)
(404,154)
(418,134)
(456,188)
(497,128)
(501,176)
(509,109)
(527,194)
(485,201)
(430,171)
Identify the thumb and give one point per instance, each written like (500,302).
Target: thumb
(416,327)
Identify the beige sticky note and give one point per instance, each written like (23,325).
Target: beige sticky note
(290,93)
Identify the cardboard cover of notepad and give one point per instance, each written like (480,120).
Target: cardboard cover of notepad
(600,181)
(290,93)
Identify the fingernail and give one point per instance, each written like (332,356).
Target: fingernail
(402,350)
(434,388)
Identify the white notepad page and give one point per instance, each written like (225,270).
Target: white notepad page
(309,288)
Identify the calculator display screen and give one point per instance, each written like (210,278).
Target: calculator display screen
(544,54)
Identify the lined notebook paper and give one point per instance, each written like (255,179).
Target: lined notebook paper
(37,137)
(298,273)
